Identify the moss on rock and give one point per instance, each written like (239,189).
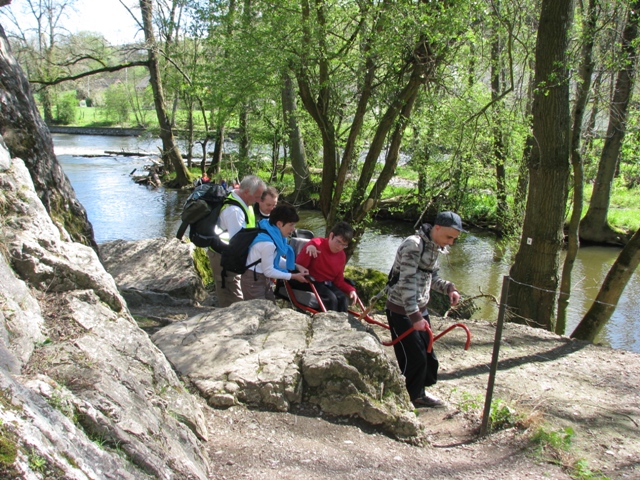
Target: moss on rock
(203,266)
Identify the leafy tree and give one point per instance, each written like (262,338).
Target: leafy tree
(534,274)
(66,108)
(295,142)
(585,73)
(116,104)
(361,83)
(30,141)
(594,226)
(170,152)
(37,43)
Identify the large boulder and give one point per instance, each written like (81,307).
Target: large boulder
(257,354)
(154,271)
(70,348)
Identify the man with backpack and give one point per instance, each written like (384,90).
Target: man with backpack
(413,274)
(270,256)
(237,213)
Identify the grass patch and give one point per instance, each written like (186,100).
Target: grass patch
(624,210)
(502,415)
(555,446)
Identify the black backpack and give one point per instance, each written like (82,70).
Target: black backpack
(234,257)
(200,213)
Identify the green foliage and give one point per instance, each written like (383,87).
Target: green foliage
(225,62)
(368,283)
(116,104)
(37,463)
(58,401)
(66,108)
(623,205)
(502,416)
(552,440)
(470,402)
(555,445)
(8,449)
(581,471)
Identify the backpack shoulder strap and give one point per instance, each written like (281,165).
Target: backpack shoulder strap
(232,201)
(424,247)
(393,279)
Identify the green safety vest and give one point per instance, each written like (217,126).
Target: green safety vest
(249,215)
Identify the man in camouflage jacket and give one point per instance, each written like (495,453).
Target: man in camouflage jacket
(413,275)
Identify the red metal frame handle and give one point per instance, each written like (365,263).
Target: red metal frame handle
(364,315)
(407,333)
(460,325)
(315,292)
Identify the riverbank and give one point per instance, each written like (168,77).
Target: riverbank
(106,131)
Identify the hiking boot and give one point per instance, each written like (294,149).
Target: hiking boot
(428,401)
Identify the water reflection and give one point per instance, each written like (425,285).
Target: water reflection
(117,207)
(120,209)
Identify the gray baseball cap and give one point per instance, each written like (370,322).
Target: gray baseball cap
(450,219)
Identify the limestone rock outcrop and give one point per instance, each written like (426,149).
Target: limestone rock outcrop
(82,388)
(257,354)
(154,271)
(27,137)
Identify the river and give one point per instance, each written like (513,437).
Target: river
(120,209)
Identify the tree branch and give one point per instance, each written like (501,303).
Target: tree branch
(114,68)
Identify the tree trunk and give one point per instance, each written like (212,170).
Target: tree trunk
(582,94)
(296,145)
(605,303)
(422,65)
(409,96)
(47,105)
(243,136)
(534,274)
(498,137)
(189,134)
(595,226)
(354,133)
(522,186)
(170,150)
(216,159)
(318,106)
(275,156)
(203,162)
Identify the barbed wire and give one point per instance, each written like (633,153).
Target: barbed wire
(511,279)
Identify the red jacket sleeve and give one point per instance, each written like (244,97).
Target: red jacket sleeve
(341,283)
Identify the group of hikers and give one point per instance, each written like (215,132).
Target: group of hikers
(322,261)
(206,179)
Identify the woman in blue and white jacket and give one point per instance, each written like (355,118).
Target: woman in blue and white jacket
(270,256)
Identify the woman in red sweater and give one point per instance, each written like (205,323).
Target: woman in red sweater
(325,259)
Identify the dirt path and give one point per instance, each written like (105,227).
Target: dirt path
(550,383)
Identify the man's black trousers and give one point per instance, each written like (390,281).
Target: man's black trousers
(419,367)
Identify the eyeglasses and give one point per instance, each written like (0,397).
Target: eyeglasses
(340,243)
